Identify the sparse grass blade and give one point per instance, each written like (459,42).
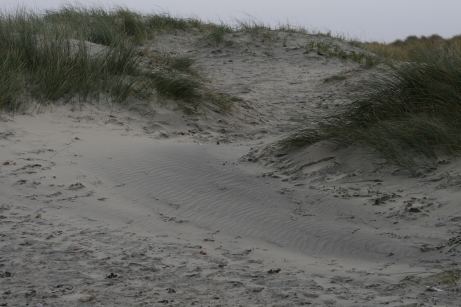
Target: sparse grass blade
(215,35)
(173,62)
(165,22)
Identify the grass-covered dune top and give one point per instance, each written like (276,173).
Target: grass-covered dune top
(409,112)
(96,52)
(93,53)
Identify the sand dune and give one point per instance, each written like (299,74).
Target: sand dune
(101,206)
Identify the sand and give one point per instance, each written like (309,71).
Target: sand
(100,206)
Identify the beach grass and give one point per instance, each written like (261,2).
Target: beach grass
(332,49)
(81,53)
(47,61)
(215,34)
(409,113)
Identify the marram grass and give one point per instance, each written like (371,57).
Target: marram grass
(409,113)
(48,61)
(93,53)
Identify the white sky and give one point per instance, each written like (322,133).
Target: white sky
(380,20)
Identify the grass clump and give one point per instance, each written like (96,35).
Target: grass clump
(215,34)
(12,82)
(91,53)
(109,27)
(409,113)
(44,60)
(258,30)
(176,86)
(178,63)
(189,89)
(329,49)
(100,26)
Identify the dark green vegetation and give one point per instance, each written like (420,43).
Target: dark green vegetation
(409,113)
(92,53)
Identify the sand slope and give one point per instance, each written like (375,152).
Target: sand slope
(103,207)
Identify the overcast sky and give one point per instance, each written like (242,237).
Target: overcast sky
(379,20)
